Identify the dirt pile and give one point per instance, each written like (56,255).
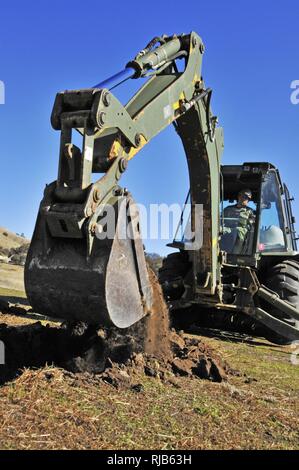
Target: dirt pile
(115,358)
(189,358)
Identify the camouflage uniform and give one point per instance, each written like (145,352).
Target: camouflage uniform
(243,219)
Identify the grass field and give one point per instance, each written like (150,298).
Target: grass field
(11,279)
(51,408)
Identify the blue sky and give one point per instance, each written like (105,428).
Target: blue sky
(46,46)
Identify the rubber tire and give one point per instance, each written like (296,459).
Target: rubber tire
(174,268)
(174,265)
(283,278)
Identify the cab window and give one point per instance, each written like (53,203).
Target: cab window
(271,234)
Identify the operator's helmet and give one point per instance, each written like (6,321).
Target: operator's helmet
(272,236)
(245,193)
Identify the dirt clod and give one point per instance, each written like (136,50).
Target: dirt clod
(137,388)
(4,306)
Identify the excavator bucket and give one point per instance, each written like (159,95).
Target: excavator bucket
(109,286)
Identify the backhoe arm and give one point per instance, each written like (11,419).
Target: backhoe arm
(73,206)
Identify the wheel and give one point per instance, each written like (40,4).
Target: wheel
(283,278)
(171,274)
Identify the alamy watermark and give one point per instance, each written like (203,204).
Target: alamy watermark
(2,92)
(2,353)
(295,93)
(158,222)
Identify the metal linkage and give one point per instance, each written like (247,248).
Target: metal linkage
(274,299)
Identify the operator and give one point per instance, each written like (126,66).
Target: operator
(241,218)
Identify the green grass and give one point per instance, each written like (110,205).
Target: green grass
(269,364)
(12,293)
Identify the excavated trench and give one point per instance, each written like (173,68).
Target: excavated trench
(116,356)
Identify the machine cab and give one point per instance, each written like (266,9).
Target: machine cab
(264,224)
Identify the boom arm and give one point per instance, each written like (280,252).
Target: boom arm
(112,135)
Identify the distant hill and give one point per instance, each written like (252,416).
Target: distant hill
(10,239)
(13,247)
